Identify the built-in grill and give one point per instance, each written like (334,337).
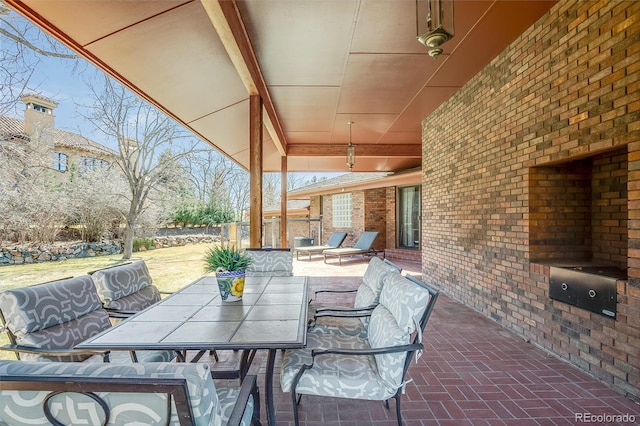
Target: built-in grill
(588,287)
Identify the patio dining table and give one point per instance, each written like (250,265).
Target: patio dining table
(271,315)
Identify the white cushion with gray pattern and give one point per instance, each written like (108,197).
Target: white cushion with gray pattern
(368,294)
(126,287)
(270,263)
(378,377)
(210,406)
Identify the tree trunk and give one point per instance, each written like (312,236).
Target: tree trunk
(129,235)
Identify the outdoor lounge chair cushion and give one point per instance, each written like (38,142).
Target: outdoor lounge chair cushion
(210,405)
(126,287)
(375,377)
(270,262)
(60,315)
(334,241)
(362,246)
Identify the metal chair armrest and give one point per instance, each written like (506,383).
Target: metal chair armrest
(249,387)
(331,310)
(119,313)
(52,352)
(374,351)
(317,292)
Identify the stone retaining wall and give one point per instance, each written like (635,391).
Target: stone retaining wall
(17,255)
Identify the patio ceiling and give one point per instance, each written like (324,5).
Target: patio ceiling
(316,64)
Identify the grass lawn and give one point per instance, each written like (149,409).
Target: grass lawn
(171,269)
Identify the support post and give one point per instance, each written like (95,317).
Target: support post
(255,171)
(283,202)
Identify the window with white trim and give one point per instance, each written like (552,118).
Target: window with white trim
(342,210)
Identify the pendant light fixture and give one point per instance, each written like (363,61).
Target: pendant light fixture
(351,150)
(435,24)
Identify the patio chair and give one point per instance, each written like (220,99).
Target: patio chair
(364,246)
(45,322)
(371,368)
(126,288)
(143,394)
(352,320)
(268,262)
(335,240)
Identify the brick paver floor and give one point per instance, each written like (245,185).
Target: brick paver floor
(472,372)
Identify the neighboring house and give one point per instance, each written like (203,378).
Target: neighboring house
(59,148)
(388,203)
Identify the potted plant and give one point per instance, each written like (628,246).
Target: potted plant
(229,265)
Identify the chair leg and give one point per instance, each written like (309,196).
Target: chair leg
(296,420)
(398,412)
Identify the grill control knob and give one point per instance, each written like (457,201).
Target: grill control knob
(564,286)
(592,293)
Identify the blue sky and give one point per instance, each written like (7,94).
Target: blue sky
(58,80)
(64,81)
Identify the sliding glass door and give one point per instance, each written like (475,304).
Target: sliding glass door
(409,217)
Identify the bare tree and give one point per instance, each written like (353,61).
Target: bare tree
(22,47)
(149,146)
(239,194)
(210,173)
(94,199)
(31,205)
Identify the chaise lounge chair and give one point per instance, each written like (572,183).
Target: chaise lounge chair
(363,246)
(335,241)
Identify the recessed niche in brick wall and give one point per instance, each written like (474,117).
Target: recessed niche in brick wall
(578,210)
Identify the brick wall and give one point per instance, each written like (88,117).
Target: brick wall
(375,215)
(578,210)
(369,213)
(391,217)
(357,219)
(568,89)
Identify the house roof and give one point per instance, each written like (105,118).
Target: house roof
(12,127)
(358,181)
(293,207)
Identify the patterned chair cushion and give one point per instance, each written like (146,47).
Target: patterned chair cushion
(25,407)
(136,301)
(277,263)
(60,315)
(337,325)
(227,398)
(38,307)
(375,377)
(368,294)
(341,376)
(402,304)
(55,315)
(126,287)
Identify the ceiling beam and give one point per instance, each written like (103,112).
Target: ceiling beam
(310,150)
(226,20)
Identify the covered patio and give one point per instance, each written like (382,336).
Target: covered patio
(472,372)
(530,101)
